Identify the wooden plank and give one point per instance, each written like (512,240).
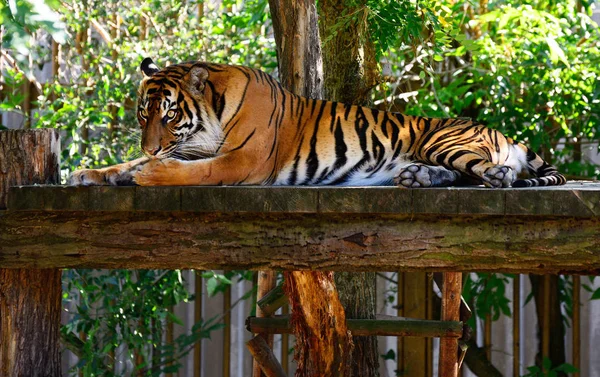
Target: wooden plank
(349,242)
(79,239)
(394,326)
(576,324)
(429,316)
(401,366)
(197,317)
(546,286)
(227,332)
(580,200)
(516,320)
(448,364)
(415,349)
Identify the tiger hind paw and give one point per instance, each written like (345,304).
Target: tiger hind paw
(420,175)
(499,176)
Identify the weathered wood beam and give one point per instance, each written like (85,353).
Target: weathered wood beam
(349,242)
(364,327)
(273,300)
(264,357)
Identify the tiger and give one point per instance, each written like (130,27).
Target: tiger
(215,124)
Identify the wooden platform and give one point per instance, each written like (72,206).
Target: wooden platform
(540,230)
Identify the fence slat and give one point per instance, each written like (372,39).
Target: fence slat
(415,349)
(576,324)
(516,321)
(197,318)
(227,332)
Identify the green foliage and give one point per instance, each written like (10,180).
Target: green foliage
(530,70)
(126,312)
(20,18)
(488,294)
(95,108)
(548,371)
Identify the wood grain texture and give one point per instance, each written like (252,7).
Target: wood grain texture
(448,365)
(30,300)
(577,199)
(28,157)
(348,242)
(323,343)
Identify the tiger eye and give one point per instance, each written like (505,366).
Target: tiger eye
(144,113)
(171,114)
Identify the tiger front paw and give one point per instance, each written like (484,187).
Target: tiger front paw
(165,172)
(101,177)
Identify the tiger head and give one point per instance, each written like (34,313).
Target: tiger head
(173,112)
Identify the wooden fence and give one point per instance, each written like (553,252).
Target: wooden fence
(417,356)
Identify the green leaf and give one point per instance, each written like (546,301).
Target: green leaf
(556,53)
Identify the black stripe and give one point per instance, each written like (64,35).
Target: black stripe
(244,142)
(294,173)
(312,161)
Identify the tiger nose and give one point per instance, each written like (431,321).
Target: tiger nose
(153,150)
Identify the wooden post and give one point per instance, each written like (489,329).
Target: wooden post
(30,299)
(267,280)
(448,365)
(415,349)
(516,325)
(576,323)
(197,318)
(264,357)
(400,360)
(227,332)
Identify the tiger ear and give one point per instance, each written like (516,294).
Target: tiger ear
(148,67)
(197,79)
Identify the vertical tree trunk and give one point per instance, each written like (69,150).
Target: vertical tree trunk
(349,62)
(29,299)
(350,72)
(323,345)
(298,46)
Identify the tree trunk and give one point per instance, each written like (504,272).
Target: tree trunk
(358,295)
(349,62)
(30,299)
(350,72)
(320,350)
(298,46)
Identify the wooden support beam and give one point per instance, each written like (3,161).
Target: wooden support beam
(30,300)
(272,301)
(264,357)
(577,324)
(309,229)
(382,326)
(448,365)
(266,282)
